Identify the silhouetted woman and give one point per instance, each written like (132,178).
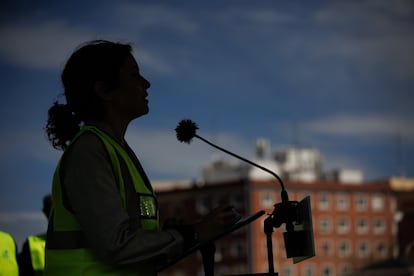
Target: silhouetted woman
(105,217)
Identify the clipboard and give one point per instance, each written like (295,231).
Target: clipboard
(239,224)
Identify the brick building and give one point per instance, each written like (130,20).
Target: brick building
(354,225)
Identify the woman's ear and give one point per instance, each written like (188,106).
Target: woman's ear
(102,90)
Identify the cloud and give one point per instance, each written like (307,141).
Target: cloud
(153,62)
(21,224)
(40,45)
(28,143)
(13,217)
(47,43)
(377,34)
(265,16)
(363,13)
(251,16)
(369,39)
(164,155)
(363,125)
(144,16)
(159,150)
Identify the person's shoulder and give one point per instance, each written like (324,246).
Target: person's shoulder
(87,144)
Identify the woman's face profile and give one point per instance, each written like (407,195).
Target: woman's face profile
(130,98)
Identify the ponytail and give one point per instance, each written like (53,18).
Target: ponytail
(62,125)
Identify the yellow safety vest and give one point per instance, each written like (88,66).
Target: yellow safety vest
(66,252)
(8,262)
(37,252)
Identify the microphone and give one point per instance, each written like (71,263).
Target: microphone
(187,130)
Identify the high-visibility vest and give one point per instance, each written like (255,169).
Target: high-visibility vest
(8,262)
(66,251)
(37,252)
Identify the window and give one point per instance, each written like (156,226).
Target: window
(267,199)
(326,248)
(220,252)
(361,202)
(377,202)
(344,249)
(363,249)
(343,225)
(308,270)
(381,249)
(203,205)
(345,270)
(325,225)
(342,202)
(323,202)
(287,270)
(236,199)
(235,269)
(327,270)
(379,226)
(362,226)
(236,249)
(219,199)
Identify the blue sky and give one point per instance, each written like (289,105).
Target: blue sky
(337,76)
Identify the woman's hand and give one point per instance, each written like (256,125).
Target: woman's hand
(216,222)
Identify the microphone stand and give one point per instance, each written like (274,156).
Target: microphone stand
(207,253)
(284,212)
(268,229)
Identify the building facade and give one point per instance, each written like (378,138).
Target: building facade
(354,225)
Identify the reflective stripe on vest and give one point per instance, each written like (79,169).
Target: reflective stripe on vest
(37,251)
(66,248)
(8,262)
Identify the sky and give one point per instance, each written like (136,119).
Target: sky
(336,76)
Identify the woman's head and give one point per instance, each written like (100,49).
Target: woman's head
(92,63)
(92,66)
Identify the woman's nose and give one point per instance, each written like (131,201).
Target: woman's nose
(147,84)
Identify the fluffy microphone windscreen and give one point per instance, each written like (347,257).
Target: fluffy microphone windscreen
(186,131)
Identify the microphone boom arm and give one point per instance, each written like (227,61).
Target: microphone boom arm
(287,212)
(284,193)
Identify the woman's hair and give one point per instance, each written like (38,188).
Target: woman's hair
(95,61)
